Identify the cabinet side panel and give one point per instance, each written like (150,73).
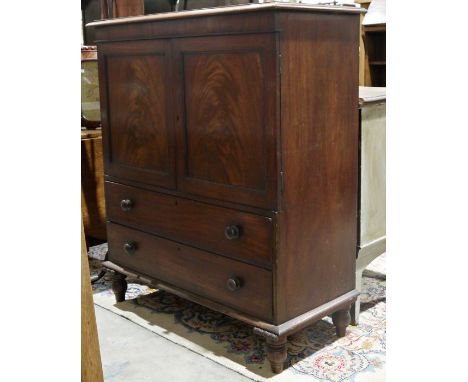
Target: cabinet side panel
(319,133)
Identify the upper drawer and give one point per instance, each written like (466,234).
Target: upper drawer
(241,235)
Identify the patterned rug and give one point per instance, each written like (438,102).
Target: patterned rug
(314,355)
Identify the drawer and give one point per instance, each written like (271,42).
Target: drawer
(194,270)
(237,234)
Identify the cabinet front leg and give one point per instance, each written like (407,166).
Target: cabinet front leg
(277,353)
(341,319)
(119,286)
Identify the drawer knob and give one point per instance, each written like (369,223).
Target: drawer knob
(126,204)
(232,232)
(130,247)
(233,283)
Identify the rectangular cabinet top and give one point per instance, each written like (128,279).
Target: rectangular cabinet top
(229,10)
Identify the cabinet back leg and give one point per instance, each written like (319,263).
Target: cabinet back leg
(119,286)
(341,319)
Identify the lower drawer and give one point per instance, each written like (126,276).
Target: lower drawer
(244,287)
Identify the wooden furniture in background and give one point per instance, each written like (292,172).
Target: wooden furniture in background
(91,367)
(372,198)
(125,8)
(363,61)
(92,169)
(91,10)
(121,8)
(199,4)
(90,112)
(374,36)
(231,163)
(93,208)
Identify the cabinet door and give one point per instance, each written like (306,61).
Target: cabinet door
(227,94)
(136,112)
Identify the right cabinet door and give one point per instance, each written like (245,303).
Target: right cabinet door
(226,118)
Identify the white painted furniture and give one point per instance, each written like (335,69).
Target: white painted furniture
(371,235)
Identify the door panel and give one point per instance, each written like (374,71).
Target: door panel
(227,118)
(225,125)
(138,120)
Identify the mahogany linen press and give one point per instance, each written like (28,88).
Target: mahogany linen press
(231,155)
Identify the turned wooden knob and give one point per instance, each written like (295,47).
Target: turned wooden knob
(126,204)
(130,247)
(233,283)
(232,232)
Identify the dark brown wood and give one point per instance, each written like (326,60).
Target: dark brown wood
(196,198)
(215,24)
(246,9)
(260,327)
(319,137)
(198,224)
(227,106)
(341,319)
(119,286)
(192,269)
(375,49)
(254,201)
(308,318)
(138,133)
(209,303)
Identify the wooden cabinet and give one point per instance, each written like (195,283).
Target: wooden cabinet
(231,159)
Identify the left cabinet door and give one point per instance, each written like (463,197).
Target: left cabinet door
(138,133)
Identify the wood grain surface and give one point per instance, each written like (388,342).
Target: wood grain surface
(243,10)
(199,224)
(319,134)
(263,119)
(201,272)
(226,102)
(138,133)
(224,118)
(137,98)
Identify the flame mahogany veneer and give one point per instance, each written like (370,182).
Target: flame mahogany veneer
(231,156)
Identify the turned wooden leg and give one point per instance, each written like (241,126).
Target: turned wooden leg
(119,286)
(341,320)
(277,353)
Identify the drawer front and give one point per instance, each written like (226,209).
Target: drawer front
(241,235)
(194,270)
